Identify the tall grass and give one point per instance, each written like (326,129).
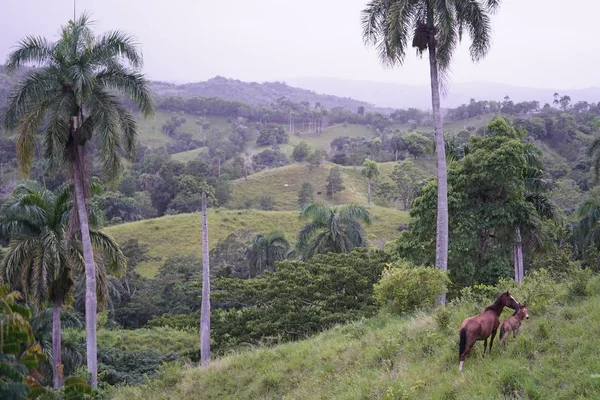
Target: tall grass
(413,357)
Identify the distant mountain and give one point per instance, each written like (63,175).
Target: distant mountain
(404,96)
(255,93)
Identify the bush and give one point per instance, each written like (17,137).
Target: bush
(404,288)
(593,286)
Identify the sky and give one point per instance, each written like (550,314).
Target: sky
(536,43)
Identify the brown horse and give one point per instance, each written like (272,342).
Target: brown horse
(513,323)
(481,326)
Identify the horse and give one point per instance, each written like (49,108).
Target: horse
(513,323)
(481,326)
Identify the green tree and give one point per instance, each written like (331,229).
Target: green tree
(488,200)
(371,171)
(315,159)
(594,149)
(408,180)
(301,151)
(417,145)
(71,97)
(334,182)
(332,229)
(306,194)
(19,354)
(265,250)
(43,259)
(435,26)
(397,144)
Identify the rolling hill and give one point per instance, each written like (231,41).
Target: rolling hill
(412,357)
(181,234)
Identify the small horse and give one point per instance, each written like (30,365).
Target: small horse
(481,326)
(513,323)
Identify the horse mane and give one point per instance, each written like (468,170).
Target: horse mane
(496,306)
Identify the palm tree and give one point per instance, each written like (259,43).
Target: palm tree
(71,97)
(436,26)
(42,259)
(371,171)
(332,229)
(265,250)
(587,230)
(205,306)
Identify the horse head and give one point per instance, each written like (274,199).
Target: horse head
(523,312)
(509,301)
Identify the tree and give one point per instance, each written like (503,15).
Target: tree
(397,144)
(70,96)
(489,200)
(265,250)
(332,229)
(371,171)
(301,151)
(205,308)
(417,145)
(315,159)
(594,149)
(43,257)
(334,182)
(408,179)
(306,194)
(436,27)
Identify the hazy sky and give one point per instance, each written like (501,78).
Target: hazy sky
(539,43)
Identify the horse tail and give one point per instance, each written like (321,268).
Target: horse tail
(463,342)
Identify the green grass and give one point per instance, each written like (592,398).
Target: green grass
(151,133)
(272,182)
(161,339)
(186,156)
(181,234)
(389,357)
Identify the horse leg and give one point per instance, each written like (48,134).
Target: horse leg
(492,341)
(468,348)
(484,346)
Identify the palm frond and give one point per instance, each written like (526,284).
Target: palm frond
(34,50)
(116,262)
(116,44)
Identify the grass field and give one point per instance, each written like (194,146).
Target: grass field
(391,357)
(272,182)
(186,156)
(181,234)
(152,135)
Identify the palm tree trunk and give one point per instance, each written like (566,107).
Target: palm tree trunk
(91,302)
(57,367)
(369,189)
(205,307)
(441,252)
(518,253)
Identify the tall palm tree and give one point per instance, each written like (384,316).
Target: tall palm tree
(71,97)
(332,229)
(265,250)
(42,260)
(587,229)
(205,306)
(435,26)
(371,171)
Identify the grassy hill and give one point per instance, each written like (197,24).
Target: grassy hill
(272,182)
(181,234)
(391,357)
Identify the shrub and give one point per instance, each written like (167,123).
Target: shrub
(404,288)
(593,286)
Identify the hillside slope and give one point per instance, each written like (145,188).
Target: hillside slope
(181,234)
(555,357)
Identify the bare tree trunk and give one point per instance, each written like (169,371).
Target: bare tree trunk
(441,253)
(205,308)
(57,367)
(518,250)
(91,302)
(369,189)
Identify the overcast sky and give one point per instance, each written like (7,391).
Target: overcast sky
(538,43)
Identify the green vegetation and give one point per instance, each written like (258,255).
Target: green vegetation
(180,234)
(415,357)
